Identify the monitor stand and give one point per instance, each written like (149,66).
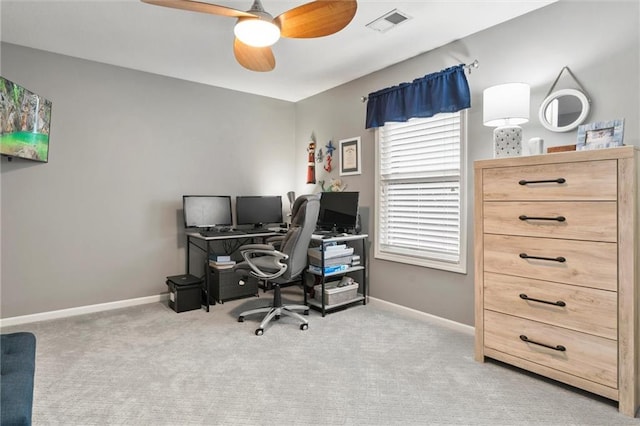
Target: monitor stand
(334,232)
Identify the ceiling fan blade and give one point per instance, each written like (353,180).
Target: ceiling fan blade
(316,19)
(254,58)
(196,6)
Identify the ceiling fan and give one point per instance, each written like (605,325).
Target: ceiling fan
(256,30)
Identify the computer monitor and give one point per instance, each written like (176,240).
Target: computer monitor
(258,210)
(206,211)
(338,211)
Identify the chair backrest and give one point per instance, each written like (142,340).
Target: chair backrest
(304,216)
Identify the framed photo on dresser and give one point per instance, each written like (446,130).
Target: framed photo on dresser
(601,134)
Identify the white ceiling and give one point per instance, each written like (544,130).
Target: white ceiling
(198,47)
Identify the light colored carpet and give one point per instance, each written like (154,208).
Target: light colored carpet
(366,365)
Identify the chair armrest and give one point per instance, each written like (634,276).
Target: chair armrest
(264,261)
(265,247)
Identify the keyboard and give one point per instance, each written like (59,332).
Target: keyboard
(221,233)
(256,231)
(326,235)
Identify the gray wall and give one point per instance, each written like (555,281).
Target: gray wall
(599,41)
(101,221)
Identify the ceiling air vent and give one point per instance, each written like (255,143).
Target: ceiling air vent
(388,21)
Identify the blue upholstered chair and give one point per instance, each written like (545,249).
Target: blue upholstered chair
(18,359)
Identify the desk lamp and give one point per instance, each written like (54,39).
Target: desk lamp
(505,107)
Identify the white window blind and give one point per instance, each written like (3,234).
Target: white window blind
(419,215)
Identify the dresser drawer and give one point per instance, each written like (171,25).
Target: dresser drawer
(590,357)
(583,309)
(589,180)
(595,221)
(586,263)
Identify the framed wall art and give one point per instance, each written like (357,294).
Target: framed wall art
(25,121)
(350,157)
(601,134)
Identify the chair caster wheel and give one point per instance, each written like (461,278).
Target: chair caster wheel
(240,319)
(306,312)
(259,332)
(304,326)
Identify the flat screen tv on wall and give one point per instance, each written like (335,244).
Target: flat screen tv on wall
(25,120)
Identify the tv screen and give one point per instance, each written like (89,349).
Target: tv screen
(338,210)
(206,211)
(25,120)
(258,211)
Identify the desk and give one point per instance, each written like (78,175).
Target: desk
(362,268)
(204,244)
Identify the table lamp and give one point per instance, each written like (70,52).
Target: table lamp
(505,107)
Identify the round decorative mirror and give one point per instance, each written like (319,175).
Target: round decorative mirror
(564,110)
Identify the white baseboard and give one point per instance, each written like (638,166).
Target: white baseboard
(423,315)
(81,310)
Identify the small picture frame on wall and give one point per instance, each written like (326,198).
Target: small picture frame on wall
(601,134)
(350,157)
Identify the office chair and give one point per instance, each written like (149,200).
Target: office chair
(282,265)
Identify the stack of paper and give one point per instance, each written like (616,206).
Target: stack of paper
(339,254)
(221,261)
(328,269)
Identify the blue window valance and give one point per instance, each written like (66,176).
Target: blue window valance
(444,91)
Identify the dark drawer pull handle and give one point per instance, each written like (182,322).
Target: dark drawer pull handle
(559,259)
(558,181)
(558,303)
(525,217)
(559,348)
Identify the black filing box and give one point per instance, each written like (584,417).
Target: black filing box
(226,284)
(185,292)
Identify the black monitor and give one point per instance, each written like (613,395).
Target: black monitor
(338,211)
(206,211)
(258,210)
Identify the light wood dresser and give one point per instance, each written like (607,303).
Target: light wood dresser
(557,268)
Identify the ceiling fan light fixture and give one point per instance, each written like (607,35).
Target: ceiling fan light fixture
(257,32)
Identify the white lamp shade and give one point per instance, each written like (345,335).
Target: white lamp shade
(257,32)
(506,105)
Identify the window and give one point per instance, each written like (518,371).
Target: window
(420,197)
